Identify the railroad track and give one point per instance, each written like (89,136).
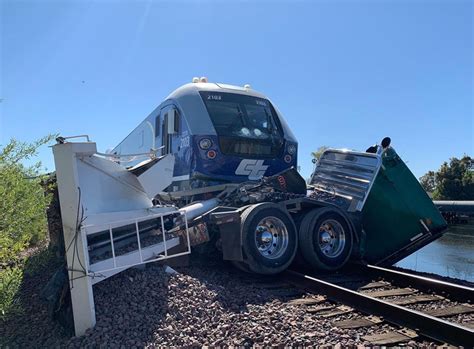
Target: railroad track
(417,306)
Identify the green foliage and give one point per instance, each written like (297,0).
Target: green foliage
(428,182)
(22,215)
(317,154)
(453,181)
(23,203)
(10,282)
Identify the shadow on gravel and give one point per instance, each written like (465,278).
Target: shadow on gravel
(31,326)
(130,308)
(237,290)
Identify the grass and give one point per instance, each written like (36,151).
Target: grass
(10,282)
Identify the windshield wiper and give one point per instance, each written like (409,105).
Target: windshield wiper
(241,115)
(269,121)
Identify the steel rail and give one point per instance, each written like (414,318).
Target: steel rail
(456,292)
(427,325)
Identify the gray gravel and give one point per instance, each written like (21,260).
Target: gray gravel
(210,304)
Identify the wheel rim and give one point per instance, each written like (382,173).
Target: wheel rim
(271,237)
(331,238)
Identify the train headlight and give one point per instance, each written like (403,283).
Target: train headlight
(245,131)
(288,158)
(291,149)
(205,143)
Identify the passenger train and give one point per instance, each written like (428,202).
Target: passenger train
(218,134)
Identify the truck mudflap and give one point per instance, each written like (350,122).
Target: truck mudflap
(398,217)
(230,233)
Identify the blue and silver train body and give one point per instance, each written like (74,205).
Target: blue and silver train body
(217,133)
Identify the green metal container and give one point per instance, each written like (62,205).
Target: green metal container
(398,217)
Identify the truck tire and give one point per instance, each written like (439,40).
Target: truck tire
(269,238)
(325,239)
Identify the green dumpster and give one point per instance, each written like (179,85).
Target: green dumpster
(398,217)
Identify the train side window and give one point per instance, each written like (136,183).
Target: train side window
(157,126)
(164,135)
(176,121)
(169,123)
(172,118)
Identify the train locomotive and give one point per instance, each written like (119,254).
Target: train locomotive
(218,134)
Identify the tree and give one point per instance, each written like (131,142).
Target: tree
(23,202)
(317,154)
(453,181)
(22,216)
(428,181)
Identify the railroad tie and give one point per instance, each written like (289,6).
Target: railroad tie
(358,323)
(422,298)
(393,337)
(319,309)
(330,311)
(375,284)
(389,293)
(450,311)
(308,301)
(340,310)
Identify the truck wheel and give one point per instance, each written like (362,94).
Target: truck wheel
(325,239)
(269,238)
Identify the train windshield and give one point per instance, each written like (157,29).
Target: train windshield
(245,125)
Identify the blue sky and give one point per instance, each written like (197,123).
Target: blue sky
(343,73)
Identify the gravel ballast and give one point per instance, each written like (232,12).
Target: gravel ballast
(208,304)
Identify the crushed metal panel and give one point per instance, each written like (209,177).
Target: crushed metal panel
(99,196)
(155,175)
(346,174)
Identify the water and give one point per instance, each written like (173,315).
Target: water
(451,255)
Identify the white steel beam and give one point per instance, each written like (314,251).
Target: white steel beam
(68,183)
